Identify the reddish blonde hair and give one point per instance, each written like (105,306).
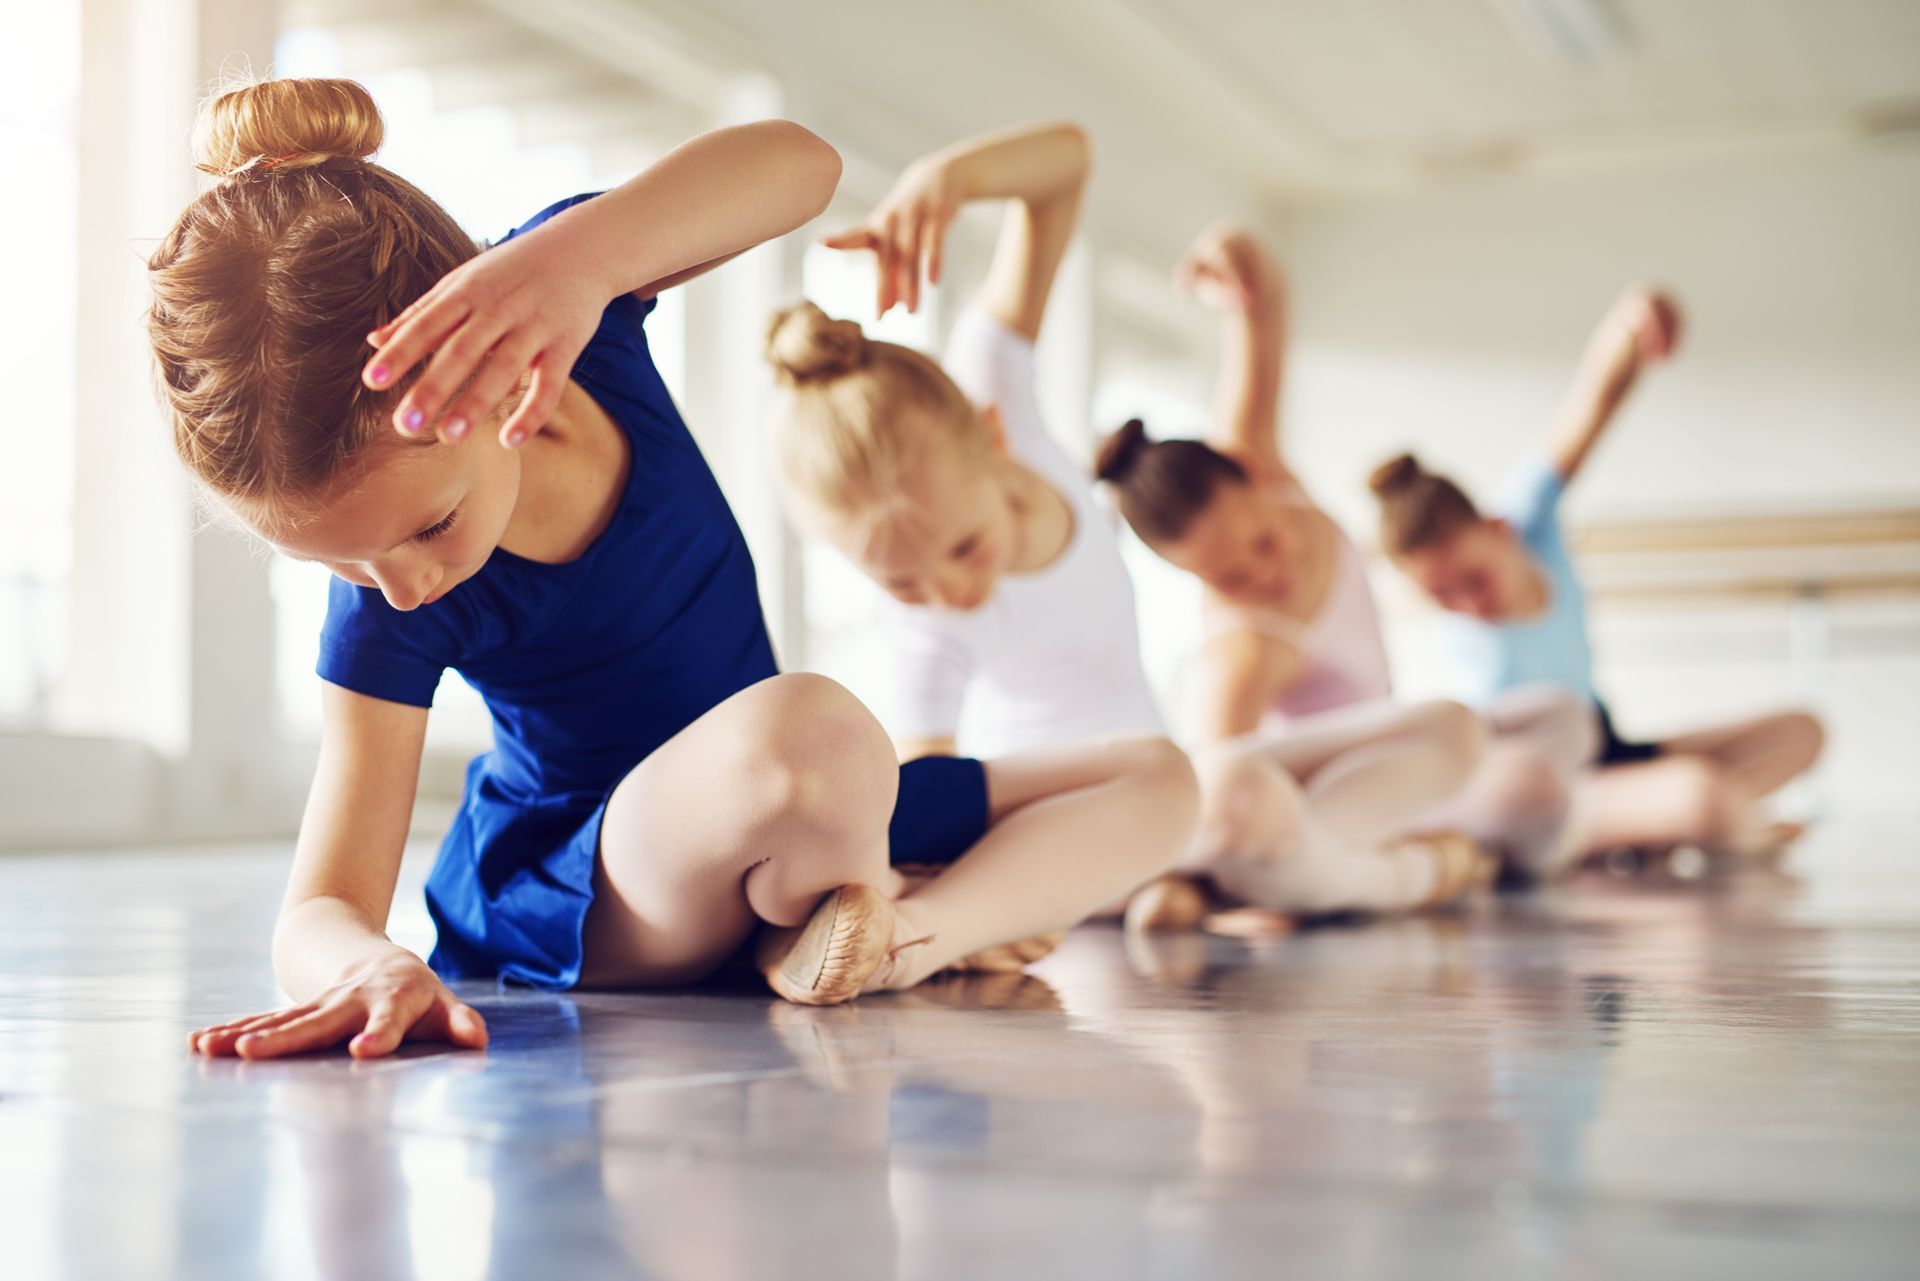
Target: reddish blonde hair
(267,286)
(1418,508)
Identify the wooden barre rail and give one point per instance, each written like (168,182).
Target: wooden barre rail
(1749,533)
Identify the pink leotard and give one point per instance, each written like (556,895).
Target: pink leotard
(1345,656)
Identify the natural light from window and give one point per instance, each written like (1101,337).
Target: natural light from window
(39,93)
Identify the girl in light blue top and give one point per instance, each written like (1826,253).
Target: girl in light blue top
(1518,617)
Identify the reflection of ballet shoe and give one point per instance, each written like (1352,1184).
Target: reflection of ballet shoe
(834,1046)
(826,960)
(1174,960)
(1173,902)
(1249,923)
(981,990)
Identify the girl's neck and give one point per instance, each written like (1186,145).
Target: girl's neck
(1042,519)
(572,475)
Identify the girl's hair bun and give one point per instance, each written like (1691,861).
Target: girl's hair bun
(1120,451)
(1395,475)
(805,345)
(285,124)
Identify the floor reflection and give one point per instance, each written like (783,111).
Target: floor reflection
(1608,1078)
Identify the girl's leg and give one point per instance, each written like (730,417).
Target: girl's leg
(1319,844)
(1370,771)
(1072,830)
(1757,756)
(1704,787)
(777,796)
(1519,802)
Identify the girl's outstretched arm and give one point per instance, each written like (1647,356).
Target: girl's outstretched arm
(1641,327)
(533,303)
(1042,171)
(1228,269)
(331,953)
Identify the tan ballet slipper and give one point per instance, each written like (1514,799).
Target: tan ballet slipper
(1460,866)
(1174,902)
(828,959)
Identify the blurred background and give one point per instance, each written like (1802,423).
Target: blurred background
(1458,189)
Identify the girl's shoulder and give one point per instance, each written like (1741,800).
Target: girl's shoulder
(616,357)
(368,646)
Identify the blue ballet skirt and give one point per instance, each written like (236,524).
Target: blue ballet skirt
(587,667)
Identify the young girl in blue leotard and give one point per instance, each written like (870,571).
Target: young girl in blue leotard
(657,791)
(1516,614)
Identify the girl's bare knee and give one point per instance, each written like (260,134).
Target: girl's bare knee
(814,756)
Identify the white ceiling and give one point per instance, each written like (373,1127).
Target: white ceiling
(1205,107)
(1216,104)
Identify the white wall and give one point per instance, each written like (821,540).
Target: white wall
(1451,321)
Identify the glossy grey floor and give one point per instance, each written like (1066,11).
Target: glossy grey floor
(1639,1079)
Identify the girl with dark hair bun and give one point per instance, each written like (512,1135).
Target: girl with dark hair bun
(1314,779)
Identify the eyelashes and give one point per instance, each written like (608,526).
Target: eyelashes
(434,531)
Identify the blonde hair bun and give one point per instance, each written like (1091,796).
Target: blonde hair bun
(285,124)
(805,345)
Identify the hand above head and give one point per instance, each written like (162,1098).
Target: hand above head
(907,232)
(383,1003)
(1226,268)
(1648,321)
(522,307)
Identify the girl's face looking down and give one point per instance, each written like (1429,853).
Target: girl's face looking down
(1242,544)
(415,521)
(946,536)
(1481,570)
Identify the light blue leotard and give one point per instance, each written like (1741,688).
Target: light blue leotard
(1491,658)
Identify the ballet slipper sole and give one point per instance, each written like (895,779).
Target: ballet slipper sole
(825,961)
(1170,903)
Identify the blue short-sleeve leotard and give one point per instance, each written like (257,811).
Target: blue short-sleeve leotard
(587,667)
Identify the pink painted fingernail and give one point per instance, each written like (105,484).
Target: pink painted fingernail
(516,436)
(456,427)
(377,375)
(412,419)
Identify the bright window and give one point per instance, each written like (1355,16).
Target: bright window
(39,91)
